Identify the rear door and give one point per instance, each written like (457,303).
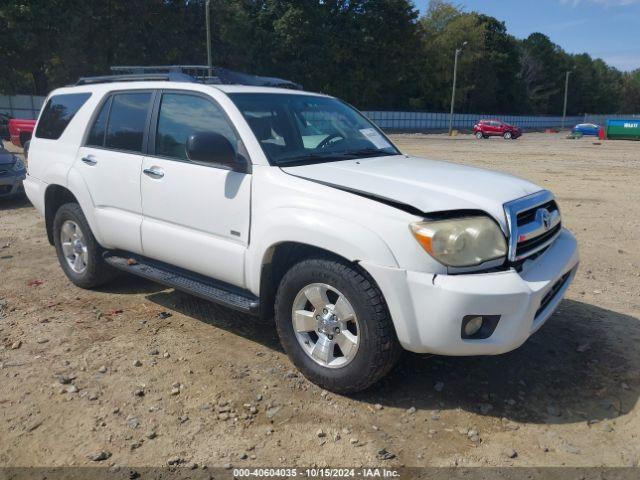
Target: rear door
(110,162)
(195,216)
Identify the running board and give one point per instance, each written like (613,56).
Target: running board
(186,281)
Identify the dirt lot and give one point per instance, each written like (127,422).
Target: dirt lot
(151,375)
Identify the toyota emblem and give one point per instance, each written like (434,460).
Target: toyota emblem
(545,217)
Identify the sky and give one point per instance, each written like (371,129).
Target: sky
(607,29)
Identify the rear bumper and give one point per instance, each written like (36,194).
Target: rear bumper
(427,309)
(11,185)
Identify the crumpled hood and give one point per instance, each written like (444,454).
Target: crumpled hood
(6,158)
(428,185)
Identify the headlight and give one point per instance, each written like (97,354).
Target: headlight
(461,242)
(18,166)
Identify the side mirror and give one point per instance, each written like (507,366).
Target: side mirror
(214,149)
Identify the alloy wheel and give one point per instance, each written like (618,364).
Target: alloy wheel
(325,325)
(74,247)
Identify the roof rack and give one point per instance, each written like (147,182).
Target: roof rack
(187,73)
(149,77)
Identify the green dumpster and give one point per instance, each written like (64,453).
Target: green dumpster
(623,129)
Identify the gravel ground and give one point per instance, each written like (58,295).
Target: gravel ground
(136,374)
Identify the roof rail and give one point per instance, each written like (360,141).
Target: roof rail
(204,74)
(147,77)
(187,73)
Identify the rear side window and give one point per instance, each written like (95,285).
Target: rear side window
(127,121)
(58,112)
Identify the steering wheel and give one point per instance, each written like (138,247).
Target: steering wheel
(328,140)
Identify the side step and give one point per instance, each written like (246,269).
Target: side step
(186,281)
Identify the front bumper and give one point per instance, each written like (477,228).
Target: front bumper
(427,309)
(11,184)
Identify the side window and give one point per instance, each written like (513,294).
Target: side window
(181,115)
(96,135)
(127,121)
(58,112)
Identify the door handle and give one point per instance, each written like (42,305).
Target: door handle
(89,160)
(154,172)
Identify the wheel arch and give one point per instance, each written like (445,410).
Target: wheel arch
(280,257)
(54,197)
(57,195)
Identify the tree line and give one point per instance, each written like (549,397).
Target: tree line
(375,54)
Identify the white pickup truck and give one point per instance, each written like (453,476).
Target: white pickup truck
(293,205)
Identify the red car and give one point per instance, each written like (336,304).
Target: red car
(21,130)
(495,128)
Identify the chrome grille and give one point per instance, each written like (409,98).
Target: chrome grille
(530,215)
(534,223)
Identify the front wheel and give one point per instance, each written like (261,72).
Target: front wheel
(334,325)
(507,135)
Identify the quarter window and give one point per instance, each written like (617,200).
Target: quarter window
(58,113)
(96,135)
(127,120)
(181,115)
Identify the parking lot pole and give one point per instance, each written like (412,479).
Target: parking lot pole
(453,88)
(566,89)
(207,17)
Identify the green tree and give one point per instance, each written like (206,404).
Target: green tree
(630,92)
(372,53)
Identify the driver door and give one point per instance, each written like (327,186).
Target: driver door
(194,216)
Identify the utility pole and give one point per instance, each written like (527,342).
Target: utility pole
(566,89)
(453,89)
(207,17)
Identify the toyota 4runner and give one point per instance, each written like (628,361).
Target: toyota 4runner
(292,205)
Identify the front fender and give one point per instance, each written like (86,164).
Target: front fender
(342,237)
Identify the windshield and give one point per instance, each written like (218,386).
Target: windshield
(297,129)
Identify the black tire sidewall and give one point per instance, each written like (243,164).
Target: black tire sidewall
(94,273)
(319,271)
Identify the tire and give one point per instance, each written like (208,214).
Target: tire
(377,349)
(95,272)
(507,135)
(479,135)
(24,138)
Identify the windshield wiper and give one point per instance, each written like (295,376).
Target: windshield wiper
(371,152)
(312,157)
(333,156)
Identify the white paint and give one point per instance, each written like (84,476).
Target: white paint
(224,224)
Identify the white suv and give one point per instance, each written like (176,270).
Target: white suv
(292,204)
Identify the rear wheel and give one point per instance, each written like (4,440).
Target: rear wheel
(334,325)
(79,253)
(507,135)
(479,135)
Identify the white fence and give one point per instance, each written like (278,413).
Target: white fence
(425,121)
